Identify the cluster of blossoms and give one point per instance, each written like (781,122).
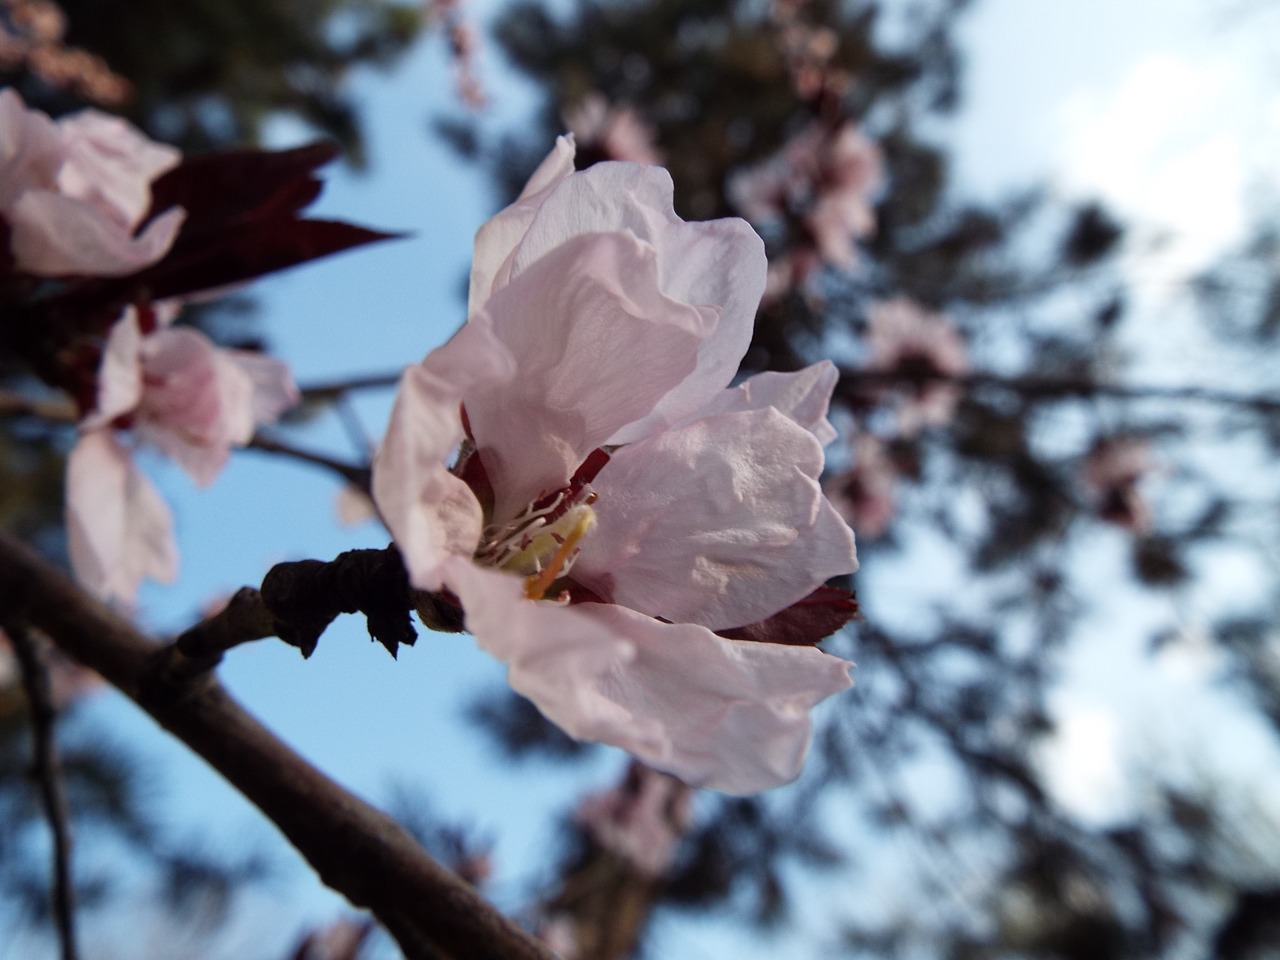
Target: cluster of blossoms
(641,820)
(823,181)
(31,36)
(74,195)
(808,52)
(918,354)
(464,42)
(172,388)
(616,507)
(1111,473)
(865,492)
(923,353)
(604,131)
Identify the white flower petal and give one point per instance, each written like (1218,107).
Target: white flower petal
(119,529)
(804,396)
(596,344)
(718,264)
(556,655)
(54,236)
(431,513)
(724,714)
(120,373)
(273,389)
(110,164)
(197,402)
(720,522)
(499,236)
(30,149)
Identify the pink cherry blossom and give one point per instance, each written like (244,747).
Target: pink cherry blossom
(925,351)
(1111,472)
(864,493)
(824,177)
(187,397)
(601,321)
(75,192)
(641,820)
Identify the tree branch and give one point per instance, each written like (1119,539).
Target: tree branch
(1046,387)
(357,850)
(330,389)
(46,769)
(356,475)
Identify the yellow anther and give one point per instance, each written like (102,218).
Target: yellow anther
(566,534)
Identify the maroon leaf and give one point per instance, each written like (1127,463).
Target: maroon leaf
(244,220)
(805,623)
(246,250)
(216,187)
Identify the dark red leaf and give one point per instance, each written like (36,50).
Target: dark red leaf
(244,251)
(216,187)
(805,623)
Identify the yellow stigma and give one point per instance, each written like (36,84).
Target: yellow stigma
(548,554)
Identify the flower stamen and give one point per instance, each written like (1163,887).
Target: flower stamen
(582,518)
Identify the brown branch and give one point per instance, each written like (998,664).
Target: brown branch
(331,389)
(46,769)
(298,600)
(357,850)
(358,476)
(14,404)
(853,382)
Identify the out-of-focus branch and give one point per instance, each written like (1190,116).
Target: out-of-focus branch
(356,475)
(14,404)
(329,389)
(46,769)
(1048,387)
(357,850)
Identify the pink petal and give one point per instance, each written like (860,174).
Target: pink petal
(119,530)
(717,264)
(272,388)
(120,373)
(804,396)
(498,237)
(555,654)
(55,235)
(597,345)
(717,713)
(110,164)
(431,513)
(30,149)
(196,403)
(720,522)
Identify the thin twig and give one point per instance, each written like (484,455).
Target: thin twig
(298,600)
(351,422)
(328,389)
(56,409)
(46,769)
(1048,387)
(356,475)
(357,850)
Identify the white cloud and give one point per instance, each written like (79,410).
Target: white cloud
(1175,146)
(1082,762)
